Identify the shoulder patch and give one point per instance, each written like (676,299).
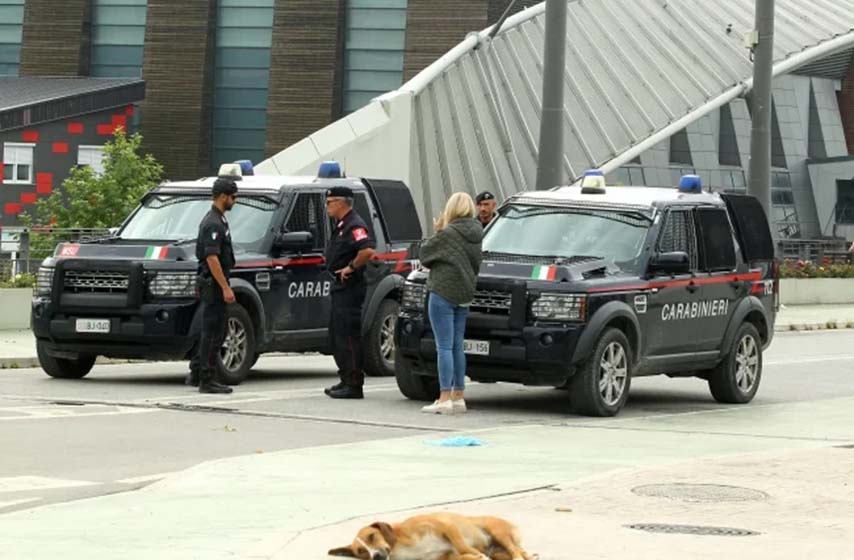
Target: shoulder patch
(214,235)
(360,234)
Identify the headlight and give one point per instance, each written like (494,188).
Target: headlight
(173,284)
(559,307)
(44,281)
(413,296)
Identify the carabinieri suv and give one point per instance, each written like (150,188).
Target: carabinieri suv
(133,295)
(584,288)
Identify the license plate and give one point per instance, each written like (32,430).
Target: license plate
(93,325)
(477,347)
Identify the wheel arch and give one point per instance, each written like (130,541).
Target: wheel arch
(616,314)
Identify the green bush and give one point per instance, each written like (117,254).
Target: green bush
(20,281)
(808,269)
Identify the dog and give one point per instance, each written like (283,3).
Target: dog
(437,536)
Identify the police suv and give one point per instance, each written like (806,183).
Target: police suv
(585,287)
(133,295)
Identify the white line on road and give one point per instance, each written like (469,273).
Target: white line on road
(146,478)
(18,502)
(815,359)
(27,483)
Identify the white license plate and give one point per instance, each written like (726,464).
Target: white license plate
(93,325)
(477,347)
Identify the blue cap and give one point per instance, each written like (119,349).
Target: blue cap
(691,184)
(246,167)
(330,170)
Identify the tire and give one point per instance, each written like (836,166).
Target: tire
(62,368)
(254,360)
(238,348)
(737,377)
(611,365)
(379,344)
(413,386)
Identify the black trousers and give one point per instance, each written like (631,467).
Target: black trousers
(345,330)
(210,343)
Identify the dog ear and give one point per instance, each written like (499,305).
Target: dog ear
(387,532)
(343,551)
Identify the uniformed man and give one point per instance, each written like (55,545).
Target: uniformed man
(349,250)
(216,259)
(486,205)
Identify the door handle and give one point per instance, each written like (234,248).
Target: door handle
(692,287)
(735,285)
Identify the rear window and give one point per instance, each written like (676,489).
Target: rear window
(397,209)
(751,226)
(717,251)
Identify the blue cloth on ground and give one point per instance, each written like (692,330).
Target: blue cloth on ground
(458,441)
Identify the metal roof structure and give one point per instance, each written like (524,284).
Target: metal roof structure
(27,101)
(636,73)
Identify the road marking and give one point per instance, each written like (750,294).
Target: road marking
(834,358)
(27,483)
(43,412)
(18,502)
(146,478)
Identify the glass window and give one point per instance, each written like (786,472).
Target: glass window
(308,213)
(93,156)
(678,235)
(118,37)
(18,163)
(728,153)
(680,148)
(718,250)
(845,202)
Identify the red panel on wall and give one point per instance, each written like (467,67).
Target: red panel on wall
(30,136)
(60,147)
(105,129)
(29,198)
(44,183)
(75,128)
(120,120)
(130,110)
(1,173)
(12,208)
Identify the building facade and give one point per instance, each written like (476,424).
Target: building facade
(236,79)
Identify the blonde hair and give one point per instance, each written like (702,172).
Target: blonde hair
(459,205)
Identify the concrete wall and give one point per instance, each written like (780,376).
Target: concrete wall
(816,291)
(15,304)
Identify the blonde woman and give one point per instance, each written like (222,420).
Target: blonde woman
(453,256)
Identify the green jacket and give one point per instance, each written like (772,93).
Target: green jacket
(453,256)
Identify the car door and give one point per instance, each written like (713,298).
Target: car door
(671,299)
(722,287)
(300,280)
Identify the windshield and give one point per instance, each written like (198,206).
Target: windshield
(564,233)
(177,217)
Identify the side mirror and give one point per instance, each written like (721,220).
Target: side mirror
(294,242)
(676,262)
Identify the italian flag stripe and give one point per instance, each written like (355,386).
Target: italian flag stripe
(544,273)
(155,253)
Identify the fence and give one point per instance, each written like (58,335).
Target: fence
(23,252)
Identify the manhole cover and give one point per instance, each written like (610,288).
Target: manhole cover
(700,492)
(692,530)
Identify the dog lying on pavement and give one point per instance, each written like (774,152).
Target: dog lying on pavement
(437,536)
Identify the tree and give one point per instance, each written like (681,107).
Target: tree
(89,200)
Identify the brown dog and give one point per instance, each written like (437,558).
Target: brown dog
(437,536)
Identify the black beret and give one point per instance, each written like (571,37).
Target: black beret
(343,192)
(224,186)
(485,195)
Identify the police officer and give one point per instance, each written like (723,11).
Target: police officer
(486,205)
(349,250)
(216,259)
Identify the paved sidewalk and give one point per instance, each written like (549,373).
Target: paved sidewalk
(299,503)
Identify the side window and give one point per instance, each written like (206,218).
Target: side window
(308,213)
(678,234)
(716,246)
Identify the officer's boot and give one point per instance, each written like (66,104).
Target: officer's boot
(192,379)
(338,385)
(352,389)
(209,385)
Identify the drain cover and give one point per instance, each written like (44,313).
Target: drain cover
(692,530)
(700,492)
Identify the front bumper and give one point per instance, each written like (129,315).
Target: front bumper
(151,331)
(531,355)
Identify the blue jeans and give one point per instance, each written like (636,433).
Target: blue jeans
(449,329)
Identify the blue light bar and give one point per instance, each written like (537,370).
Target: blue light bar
(330,170)
(246,167)
(690,184)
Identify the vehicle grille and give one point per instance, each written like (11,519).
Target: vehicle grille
(95,281)
(491,301)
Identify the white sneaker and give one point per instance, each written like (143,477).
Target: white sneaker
(459,406)
(439,407)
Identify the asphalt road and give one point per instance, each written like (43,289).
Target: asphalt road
(125,426)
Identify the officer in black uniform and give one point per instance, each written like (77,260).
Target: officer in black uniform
(486,205)
(349,250)
(216,259)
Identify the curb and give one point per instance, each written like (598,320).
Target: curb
(33,363)
(831,325)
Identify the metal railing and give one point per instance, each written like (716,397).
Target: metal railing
(32,245)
